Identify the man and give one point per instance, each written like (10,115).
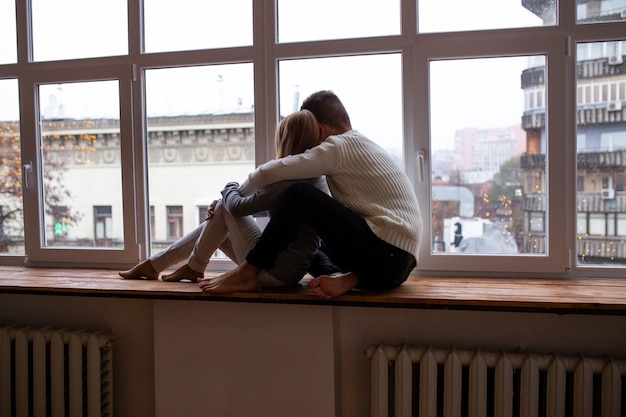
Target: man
(372,221)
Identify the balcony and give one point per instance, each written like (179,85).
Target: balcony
(535,202)
(584,160)
(534,119)
(601,160)
(601,203)
(601,249)
(603,67)
(533,161)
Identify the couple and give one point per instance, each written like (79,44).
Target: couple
(370,223)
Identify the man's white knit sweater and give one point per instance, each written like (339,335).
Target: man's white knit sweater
(362,176)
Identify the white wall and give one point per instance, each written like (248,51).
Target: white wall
(219,358)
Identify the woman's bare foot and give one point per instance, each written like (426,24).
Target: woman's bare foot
(240,279)
(143,269)
(329,286)
(184,272)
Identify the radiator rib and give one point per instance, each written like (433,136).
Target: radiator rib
(55,372)
(475,383)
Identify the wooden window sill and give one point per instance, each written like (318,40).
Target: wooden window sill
(589,296)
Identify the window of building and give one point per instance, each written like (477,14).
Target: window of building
(103,225)
(489,117)
(174,222)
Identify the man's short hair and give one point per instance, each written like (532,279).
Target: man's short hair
(327,108)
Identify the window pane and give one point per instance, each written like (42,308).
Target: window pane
(382,74)
(334,19)
(80,145)
(592,11)
(462,15)
(488,170)
(601,134)
(72,29)
(200,133)
(11,207)
(196,24)
(8,39)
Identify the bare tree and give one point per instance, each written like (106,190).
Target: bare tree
(56,195)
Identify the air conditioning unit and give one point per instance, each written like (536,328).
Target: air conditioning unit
(615,60)
(614,106)
(608,193)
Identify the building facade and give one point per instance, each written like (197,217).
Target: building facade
(600,144)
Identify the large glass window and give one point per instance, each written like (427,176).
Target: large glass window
(71,29)
(80,158)
(329,19)
(200,135)
(196,24)
(370,88)
(601,148)
(8,38)
(481,151)
(119,119)
(462,15)
(11,169)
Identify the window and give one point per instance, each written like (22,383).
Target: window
(200,135)
(80,130)
(117,134)
(174,222)
(197,24)
(57,25)
(600,147)
(103,225)
(12,171)
(8,44)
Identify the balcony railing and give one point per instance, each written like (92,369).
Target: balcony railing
(584,160)
(603,202)
(533,161)
(601,249)
(601,160)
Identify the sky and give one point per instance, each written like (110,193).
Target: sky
(374,101)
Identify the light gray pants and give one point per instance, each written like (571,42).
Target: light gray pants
(234,236)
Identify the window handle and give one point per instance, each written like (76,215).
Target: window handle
(420,166)
(27,168)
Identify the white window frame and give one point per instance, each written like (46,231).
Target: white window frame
(557,43)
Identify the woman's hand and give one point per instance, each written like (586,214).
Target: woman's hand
(211,210)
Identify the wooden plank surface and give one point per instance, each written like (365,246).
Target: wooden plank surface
(575,295)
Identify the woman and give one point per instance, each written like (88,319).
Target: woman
(231,228)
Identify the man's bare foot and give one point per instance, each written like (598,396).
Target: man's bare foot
(329,286)
(240,279)
(143,269)
(184,272)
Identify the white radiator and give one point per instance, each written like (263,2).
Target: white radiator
(428,382)
(55,372)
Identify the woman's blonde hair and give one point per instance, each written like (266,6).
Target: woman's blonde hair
(296,133)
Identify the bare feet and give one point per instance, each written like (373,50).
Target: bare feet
(329,286)
(184,272)
(240,279)
(143,269)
